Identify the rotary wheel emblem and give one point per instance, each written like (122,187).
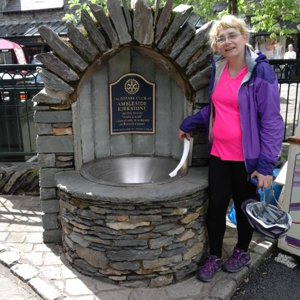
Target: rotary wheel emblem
(131,86)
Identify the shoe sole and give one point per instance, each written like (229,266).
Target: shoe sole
(237,270)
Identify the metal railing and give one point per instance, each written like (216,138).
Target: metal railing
(18,85)
(288,74)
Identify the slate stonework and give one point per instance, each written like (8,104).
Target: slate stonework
(19,178)
(131,244)
(122,245)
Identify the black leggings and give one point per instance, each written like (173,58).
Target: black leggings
(228,179)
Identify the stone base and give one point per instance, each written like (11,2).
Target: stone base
(150,235)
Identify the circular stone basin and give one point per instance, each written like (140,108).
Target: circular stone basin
(148,235)
(137,170)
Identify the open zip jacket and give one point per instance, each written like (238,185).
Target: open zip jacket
(259,105)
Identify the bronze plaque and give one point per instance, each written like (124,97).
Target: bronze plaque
(132,105)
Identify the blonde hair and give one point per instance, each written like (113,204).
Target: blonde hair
(227,21)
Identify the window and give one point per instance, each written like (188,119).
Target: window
(29,5)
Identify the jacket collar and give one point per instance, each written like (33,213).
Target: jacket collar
(252,58)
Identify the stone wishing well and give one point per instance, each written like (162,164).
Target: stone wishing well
(115,94)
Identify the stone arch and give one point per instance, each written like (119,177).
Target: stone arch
(167,36)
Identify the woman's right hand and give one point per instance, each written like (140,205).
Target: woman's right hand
(183,135)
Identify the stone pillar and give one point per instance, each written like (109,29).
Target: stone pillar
(55,153)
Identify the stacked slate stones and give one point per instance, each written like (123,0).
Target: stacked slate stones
(19,178)
(135,242)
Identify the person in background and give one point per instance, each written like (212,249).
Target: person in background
(271,47)
(35,61)
(37,77)
(245,134)
(290,54)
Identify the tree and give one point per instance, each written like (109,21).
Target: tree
(233,7)
(273,16)
(77,6)
(279,17)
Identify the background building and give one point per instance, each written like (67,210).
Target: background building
(20,20)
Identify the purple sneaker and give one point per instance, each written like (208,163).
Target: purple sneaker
(211,266)
(237,261)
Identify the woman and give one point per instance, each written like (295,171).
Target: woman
(245,136)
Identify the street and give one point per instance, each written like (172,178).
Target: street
(277,278)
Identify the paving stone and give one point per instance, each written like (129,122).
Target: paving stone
(35,259)
(16,237)
(8,258)
(149,294)
(3,236)
(76,287)
(34,238)
(20,247)
(3,226)
(102,286)
(24,271)
(12,288)
(16,228)
(51,259)
(187,288)
(239,276)
(262,247)
(44,289)
(42,248)
(52,273)
(91,297)
(223,288)
(69,273)
(116,295)
(255,260)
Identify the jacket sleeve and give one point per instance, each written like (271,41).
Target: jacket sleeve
(270,121)
(194,121)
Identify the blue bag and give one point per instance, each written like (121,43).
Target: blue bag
(276,189)
(231,214)
(276,193)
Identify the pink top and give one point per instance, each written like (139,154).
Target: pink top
(227,133)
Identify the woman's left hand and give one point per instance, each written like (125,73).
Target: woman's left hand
(263,181)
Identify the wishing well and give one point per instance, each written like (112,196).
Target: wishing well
(115,94)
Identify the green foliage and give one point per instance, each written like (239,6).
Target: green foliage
(77,7)
(275,16)
(278,17)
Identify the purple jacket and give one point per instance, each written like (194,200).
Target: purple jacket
(259,105)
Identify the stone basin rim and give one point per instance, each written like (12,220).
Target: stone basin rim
(72,182)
